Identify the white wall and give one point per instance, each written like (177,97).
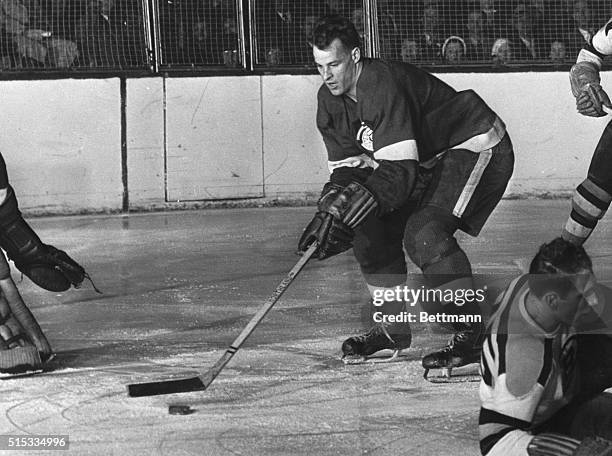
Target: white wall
(234,137)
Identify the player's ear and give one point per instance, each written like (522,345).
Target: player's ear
(356,55)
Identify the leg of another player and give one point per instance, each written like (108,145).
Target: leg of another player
(592,197)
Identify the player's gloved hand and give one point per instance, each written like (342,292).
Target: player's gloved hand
(340,211)
(51,268)
(333,236)
(586,87)
(560,445)
(591,101)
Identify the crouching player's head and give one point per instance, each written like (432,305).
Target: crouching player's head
(561,278)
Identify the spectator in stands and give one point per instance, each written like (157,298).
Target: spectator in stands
(357,19)
(430,37)
(277,28)
(388,31)
(501,51)
(582,27)
(304,50)
(229,41)
(494,23)
(453,50)
(105,32)
(30,37)
(409,51)
(478,44)
(557,51)
(525,39)
(273,56)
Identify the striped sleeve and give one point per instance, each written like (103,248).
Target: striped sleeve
(515,369)
(589,204)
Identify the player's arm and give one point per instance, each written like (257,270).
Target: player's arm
(394,144)
(344,202)
(584,74)
(514,376)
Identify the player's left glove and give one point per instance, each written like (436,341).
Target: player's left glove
(340,211)
(586,87)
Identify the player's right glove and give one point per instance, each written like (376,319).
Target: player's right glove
(551,444)
(586,87)
(340,210)
(47,266)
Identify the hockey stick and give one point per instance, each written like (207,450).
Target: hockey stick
(203,381)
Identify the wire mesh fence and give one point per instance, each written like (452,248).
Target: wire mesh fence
(117,35)
(455,32)
(77,34)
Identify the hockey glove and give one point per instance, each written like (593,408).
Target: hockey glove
(551,444)
(340,211)
(47,266)
(586,87)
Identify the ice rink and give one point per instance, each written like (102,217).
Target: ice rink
(180,286)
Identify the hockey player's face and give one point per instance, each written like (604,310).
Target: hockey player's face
(578,301)
(337,66)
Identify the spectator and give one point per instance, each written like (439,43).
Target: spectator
(229,41)
(104,34)
(557,51)
(430,37)
(582,29)
(454,50)
(357,19)
(277,29)
(501,51)
(304,47)
(494,24)
(32,43)
(409,50)
(388,31)
(526,44)
(478,44)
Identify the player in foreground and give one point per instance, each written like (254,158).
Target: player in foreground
(592,197)
(547,361)
(23,346)
(412,161)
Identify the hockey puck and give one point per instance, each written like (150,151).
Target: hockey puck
(180,409)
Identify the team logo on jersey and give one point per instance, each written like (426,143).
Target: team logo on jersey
(365,137)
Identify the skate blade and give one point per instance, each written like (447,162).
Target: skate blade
(463,374)
(353,359)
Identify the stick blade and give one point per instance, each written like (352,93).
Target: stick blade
(184,385)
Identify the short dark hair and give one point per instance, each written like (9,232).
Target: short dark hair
(329,28)
(554,266)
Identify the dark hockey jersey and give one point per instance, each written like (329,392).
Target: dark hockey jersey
(402,113)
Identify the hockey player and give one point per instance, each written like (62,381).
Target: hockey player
(546,362)
(592,197)
(411,161)
(23,346)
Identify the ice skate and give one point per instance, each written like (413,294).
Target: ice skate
(359,349)
(464,348)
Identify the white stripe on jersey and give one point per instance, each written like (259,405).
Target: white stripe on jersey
(358,161)
(473,180)
(403,150)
